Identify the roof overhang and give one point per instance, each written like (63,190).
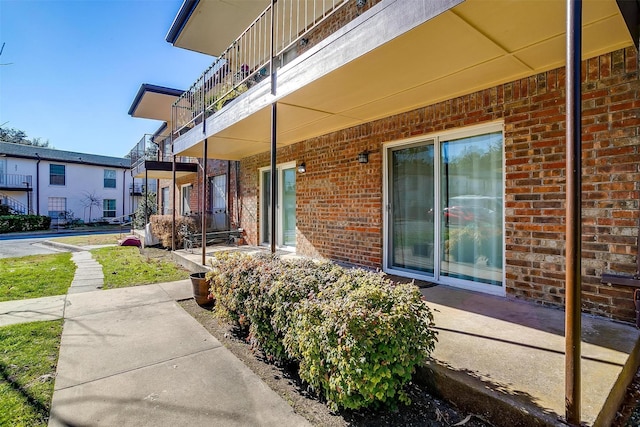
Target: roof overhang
(361,74)
(154,102)
(211,26)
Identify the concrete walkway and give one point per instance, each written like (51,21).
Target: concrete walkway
(134,357)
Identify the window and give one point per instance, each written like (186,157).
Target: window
(109,178)
(56,174)
(3,170)
(185,199)
(218,190)
(56,207)
(109,208)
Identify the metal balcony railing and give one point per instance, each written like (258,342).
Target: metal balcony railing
(246,61)
(15,181)
(148,149)
(15,206)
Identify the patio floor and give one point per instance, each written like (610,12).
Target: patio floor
(504,359)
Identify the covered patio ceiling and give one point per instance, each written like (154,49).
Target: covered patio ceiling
(154,102)
(474,45)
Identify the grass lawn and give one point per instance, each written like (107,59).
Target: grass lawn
(28,359)
(35,276)
(91,239)
(125,266)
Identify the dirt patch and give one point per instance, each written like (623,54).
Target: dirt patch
(425,410)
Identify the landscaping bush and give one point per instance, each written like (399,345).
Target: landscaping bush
(14,223)
(161,227)
(271,305)
(357,336)
(360,340)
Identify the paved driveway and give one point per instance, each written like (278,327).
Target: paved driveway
(11,248)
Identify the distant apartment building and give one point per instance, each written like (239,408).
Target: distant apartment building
(64,184)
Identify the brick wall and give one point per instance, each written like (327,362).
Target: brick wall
(339,201)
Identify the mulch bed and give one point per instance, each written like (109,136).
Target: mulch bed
(425,410)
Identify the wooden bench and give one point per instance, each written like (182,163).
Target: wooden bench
(218,231)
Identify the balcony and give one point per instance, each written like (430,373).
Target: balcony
(152,160)
(247,61)
(13,182)
(345,65)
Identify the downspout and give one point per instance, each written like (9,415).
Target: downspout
(573,260)
(38,184)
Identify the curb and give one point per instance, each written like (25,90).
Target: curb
(64,246)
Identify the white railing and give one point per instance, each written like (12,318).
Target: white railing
(246,61)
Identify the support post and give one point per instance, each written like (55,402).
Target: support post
(274,176)
(274,133)
(173,199)
(573,254)
(203,210)
(146,196)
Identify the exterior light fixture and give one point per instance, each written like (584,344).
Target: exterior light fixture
(361,3)
(302,168)
(363,157)
(304,41)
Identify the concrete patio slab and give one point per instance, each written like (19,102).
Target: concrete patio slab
(32,310)
(101,344)
(205,388)
(514,351)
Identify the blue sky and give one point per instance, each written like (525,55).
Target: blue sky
(78,64)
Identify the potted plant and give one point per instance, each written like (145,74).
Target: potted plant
(200,288)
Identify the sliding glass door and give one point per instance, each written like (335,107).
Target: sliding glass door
(285,208)
(444,218)
(412,208)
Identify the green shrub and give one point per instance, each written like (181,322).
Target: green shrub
(357,336)
(232,277)
(359,341)
(14,223)
(282,286)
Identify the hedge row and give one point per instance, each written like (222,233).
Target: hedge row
(356,336)
(13,223)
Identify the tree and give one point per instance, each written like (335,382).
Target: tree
(90,200)
(145,210)
(17,136)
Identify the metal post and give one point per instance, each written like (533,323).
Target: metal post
(203,211)
(173,199)
(146,196)
(573,303)
(274,176)
(274,116)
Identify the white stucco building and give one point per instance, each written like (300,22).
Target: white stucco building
(58,183)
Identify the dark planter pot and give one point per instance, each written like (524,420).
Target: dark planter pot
(200,288)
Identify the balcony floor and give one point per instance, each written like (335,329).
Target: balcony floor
(505,359)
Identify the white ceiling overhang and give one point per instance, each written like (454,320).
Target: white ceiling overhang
(351,78)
